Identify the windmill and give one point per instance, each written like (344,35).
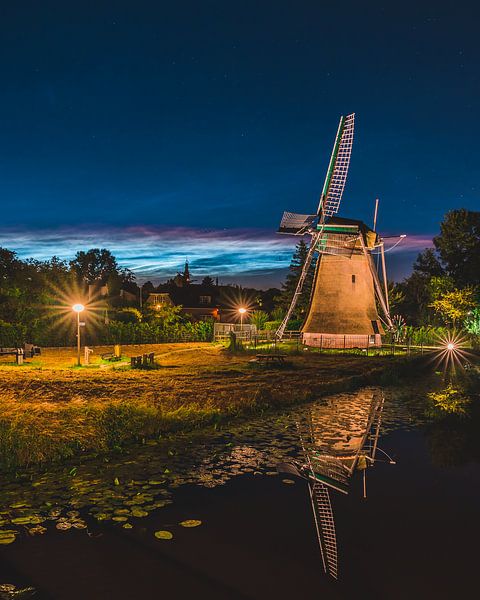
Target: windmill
(342,312)
(325,471)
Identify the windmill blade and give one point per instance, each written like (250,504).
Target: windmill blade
(298,290)
(296,224)
(325,527)
(338,168)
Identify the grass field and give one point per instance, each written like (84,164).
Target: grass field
(50,410)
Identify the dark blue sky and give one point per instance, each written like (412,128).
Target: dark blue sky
(122,116)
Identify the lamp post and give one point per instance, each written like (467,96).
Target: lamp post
(242,311)
(78,308)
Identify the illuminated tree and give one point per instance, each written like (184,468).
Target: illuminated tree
(454,305)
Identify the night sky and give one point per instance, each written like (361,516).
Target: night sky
(166,130)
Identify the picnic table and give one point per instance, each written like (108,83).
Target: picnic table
(271,358)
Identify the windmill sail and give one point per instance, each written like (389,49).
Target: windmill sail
(296,224)
(338,168)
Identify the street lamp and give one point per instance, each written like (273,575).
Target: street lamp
(78,308)
(242,311)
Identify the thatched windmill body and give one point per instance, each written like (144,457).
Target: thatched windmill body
(346,290)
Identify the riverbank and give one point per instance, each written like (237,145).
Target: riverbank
(49,412)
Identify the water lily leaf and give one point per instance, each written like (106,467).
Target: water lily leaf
(288,481)
(164,535)
(120,519)
(7,536)
(63,525)
(28,520)
(127,526)
(102,516)
(156,481)
(190,523)
(138,512)
(37,530)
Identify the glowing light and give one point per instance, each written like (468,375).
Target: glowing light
(78,308)
(242,310)
(451,353)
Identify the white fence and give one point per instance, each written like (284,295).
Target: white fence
(246,331)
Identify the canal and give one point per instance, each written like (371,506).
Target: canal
(208,515)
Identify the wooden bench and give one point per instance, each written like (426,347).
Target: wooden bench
(278,359)
(142,360)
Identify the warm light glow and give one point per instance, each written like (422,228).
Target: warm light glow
(242,310)
(451,353)
(78,308)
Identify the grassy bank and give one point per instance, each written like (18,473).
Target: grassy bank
(49,412)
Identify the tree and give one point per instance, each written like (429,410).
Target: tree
(428,265)
(208,282)
(453,305)
(259,318)
(458,246)
(95,265)
(291,281)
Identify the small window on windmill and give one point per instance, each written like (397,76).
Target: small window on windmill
(205,299)
(353,278)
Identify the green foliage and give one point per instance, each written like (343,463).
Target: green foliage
(94,265)
(128,315)
(278,314)
(156,331)
(472,322)
(426,335)
(450,268)
(12,335)
(259,318)
(453,306)
(450,401)
(458,246)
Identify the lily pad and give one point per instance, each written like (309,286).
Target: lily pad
(37,530)
(127,526)
(138,512)
(190,523)
(28,520)
(164,535)
(7,536)
(288,481)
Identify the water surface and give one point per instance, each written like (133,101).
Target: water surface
(86,530)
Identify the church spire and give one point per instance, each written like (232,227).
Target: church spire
(186,272)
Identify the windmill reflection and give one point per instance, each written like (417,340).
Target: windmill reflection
(326,465)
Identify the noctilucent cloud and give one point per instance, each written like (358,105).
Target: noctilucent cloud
(165,131)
